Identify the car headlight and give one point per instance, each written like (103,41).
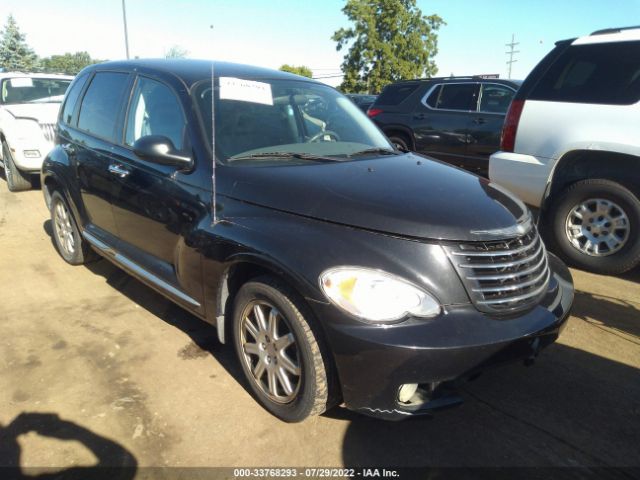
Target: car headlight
(376,296)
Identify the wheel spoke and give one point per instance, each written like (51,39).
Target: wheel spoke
(259,370)
(283,378)
(284,341)
(259,314)
(287,364)
(251,328)
(273,382)
(251,349)
(273,323)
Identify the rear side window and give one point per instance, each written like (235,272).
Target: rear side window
(395,94)
(495,98)
(460,96)
(72,99)
(101,104)
(607,73)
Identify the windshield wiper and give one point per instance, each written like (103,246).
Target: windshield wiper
(380,151)
(302,156)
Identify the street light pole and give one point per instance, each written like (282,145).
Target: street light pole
(126,34)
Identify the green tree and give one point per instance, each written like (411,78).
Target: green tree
(15,54)
(177,52)
(69,63)
(298,70)
(389,40)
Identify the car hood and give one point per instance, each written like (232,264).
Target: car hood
(407,195)
(41,112)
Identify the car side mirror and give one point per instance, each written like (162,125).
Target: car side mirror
(160,149)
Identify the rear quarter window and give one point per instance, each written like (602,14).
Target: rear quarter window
(396,94)
(71,99)
(607,73)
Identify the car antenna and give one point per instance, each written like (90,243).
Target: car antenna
(214,216)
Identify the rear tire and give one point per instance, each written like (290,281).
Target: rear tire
(17,181)
(308,388)
(610,212)
(66,235)
(399,141)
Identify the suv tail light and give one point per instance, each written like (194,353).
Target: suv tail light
(372,112)
(510,127)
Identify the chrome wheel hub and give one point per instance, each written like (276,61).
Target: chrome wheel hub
(63,228)
(270,352)
(597,227)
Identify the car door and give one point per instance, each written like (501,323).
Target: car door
(154,209)
(486,125)
(442,121)
(92,146)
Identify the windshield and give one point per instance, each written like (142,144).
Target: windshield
(33,90)
(274,121)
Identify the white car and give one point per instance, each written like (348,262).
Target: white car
(29,105)
(571,149)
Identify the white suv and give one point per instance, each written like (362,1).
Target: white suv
(571,149)
(29,105)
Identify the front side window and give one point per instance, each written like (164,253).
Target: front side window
(154,110)
(259,119)
(101,104)
(495,98)
(607,73)
(458,96)
(33,90)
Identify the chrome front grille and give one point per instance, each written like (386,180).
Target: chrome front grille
(49,131)
(503,276)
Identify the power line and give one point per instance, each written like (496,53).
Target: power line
(512,52)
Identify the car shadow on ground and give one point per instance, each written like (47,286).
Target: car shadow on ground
(616,315)
(114,461)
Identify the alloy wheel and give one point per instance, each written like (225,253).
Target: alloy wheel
(270,351)
(63,228)
(597,227)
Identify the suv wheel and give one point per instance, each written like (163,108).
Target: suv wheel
(280,353)
(17,181)
(595,226)
(69,242)
(399,141)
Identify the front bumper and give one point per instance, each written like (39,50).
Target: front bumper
(29,163)
(373,362)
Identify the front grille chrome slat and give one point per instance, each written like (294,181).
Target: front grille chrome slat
(49,131)
(503,276)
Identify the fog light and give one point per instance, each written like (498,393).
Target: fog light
(407,391)
(31,153)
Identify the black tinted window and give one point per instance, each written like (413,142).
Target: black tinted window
(155,110)
(461,96)
(101,104)
(607,73)
(495,98)
(395,94)
(72,98)
(432,99)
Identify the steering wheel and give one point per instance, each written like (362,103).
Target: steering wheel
(319,135)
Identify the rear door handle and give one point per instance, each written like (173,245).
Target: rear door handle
(479,121)
(119,170)
(420,116)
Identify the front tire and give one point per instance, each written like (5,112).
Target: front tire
(595,225)
(66,235)
(17,181)
(280,351)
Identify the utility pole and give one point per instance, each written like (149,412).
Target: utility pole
(126,34)
(511,52)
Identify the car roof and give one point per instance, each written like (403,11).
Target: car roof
(35,75)
(609,35)
(191,71)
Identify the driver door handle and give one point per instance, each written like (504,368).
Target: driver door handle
(119,170)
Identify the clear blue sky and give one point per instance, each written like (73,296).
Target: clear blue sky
(273,32)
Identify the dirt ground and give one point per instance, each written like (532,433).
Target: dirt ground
(97,368)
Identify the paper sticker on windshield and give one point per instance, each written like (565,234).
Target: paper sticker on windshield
(245,90)
(21,82)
